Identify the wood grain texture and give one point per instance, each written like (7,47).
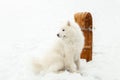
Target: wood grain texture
(84,20)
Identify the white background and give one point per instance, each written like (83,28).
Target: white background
(28,27)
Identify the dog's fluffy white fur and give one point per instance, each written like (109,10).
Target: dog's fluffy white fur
(65,55)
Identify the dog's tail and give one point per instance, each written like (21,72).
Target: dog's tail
(37,67)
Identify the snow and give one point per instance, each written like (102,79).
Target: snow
(28,28)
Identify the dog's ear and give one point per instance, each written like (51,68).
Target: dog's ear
(68,23)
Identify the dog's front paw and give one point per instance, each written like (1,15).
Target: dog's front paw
(77,71)
(71,69)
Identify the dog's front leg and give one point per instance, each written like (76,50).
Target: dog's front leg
(69,63)
(77,62)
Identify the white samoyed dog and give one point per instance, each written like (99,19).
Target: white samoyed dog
(65,54)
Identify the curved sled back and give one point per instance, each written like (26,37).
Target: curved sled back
(84,20)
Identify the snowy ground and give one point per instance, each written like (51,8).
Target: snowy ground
(28,28)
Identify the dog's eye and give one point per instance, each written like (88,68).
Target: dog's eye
(63,30)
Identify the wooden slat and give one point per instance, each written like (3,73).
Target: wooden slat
(84,20)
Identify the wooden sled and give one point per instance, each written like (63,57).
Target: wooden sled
(84,20)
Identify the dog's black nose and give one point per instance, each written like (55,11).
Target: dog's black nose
(58,35)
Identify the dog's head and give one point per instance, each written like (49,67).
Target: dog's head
(66,31)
